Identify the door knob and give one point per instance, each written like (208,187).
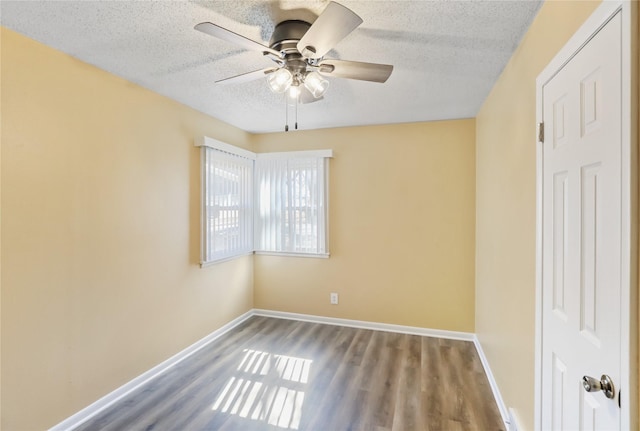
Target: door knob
(605,384)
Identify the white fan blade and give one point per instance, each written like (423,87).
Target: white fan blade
(229,36)
(333,25)
(246,77)
(355,70)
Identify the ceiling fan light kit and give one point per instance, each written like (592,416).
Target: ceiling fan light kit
(315,84)
(298,49)
(280,80)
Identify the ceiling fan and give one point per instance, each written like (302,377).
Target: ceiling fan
(298,49)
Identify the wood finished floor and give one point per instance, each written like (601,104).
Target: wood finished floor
(276,374)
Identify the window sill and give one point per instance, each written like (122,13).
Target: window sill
(224,259)
(286,254)
(266,253)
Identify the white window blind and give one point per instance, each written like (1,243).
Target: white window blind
(227,220)
(291,203)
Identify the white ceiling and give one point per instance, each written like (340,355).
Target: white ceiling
(446,54)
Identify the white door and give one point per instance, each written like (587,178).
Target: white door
(581,242)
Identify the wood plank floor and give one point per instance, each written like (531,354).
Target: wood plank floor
(276,374)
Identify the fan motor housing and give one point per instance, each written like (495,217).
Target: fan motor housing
(287,34)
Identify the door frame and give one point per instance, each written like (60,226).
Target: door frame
(629,222)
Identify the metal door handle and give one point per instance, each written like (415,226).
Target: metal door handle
(605,384)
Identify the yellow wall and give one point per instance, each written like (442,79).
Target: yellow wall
(100,234)
(402,201)
(506,206)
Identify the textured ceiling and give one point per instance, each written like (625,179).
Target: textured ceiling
(446,54)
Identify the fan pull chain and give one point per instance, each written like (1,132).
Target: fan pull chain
(297,112)
(286,113)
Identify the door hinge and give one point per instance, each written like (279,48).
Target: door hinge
(541,132)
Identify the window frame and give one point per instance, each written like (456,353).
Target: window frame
(206,142)
(325,155)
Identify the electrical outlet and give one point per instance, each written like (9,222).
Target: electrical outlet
(333,297)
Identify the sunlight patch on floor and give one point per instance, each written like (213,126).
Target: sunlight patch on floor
(267,389)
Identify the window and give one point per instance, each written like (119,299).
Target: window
(291,202)
(227,196)
(280,196)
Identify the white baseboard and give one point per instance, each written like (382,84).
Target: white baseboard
(502,407)
(109,399)
(387,327)
(515,422)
